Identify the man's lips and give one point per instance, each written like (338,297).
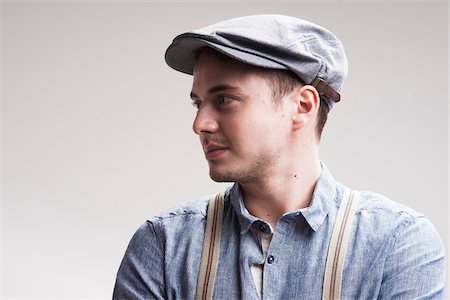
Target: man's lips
(213,151)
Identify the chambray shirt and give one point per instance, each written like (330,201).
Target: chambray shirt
(394,252)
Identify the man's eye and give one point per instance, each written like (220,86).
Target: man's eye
(224,100)
(196,104)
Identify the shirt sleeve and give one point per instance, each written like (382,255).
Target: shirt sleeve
(141,273)
(415,265)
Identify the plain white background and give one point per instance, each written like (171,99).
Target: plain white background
(96,129)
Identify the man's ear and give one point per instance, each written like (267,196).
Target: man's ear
(307,104)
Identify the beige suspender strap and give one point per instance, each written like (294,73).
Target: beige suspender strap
(338,245)
(211,247)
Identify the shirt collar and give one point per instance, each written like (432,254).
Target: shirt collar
(324,199)
(245,218)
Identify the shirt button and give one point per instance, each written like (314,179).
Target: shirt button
(270,259)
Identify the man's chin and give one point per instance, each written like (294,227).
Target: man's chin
(221,177)
(240,176)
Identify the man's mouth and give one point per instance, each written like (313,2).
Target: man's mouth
(213,151)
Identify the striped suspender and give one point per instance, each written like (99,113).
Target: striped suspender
(335,258)
(338,245)
(211,247)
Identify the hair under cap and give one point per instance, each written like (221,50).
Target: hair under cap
(312,52)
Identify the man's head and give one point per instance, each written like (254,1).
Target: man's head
(260,80)
(250,129)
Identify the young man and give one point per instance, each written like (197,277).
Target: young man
(263,86)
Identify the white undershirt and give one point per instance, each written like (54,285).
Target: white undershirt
(257,270)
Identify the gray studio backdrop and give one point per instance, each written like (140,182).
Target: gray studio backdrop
(96,129)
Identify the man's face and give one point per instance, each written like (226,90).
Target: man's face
(244,134)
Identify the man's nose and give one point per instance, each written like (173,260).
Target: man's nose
(205,121)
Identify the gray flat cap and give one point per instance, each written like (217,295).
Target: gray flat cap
(313,53)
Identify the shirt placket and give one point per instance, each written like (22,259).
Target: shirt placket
(275,263)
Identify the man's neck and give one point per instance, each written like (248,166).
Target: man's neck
(281,193)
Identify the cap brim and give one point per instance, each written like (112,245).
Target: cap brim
(182,53)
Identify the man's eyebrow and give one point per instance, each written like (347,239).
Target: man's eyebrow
(216,89)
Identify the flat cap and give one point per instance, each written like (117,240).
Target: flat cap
(312,52)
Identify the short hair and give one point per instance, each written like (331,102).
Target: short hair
(282,83)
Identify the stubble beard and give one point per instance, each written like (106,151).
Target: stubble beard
(253,173)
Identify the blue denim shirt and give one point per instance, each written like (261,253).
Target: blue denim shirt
(393,253)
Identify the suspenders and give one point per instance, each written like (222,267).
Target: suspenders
(211,247)
(338,245)
(336,250)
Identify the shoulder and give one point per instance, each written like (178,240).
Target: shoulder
(394,222)
(386,213)
(196,207)
(173,226)
(181,216)
(375,204)
(403,244)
